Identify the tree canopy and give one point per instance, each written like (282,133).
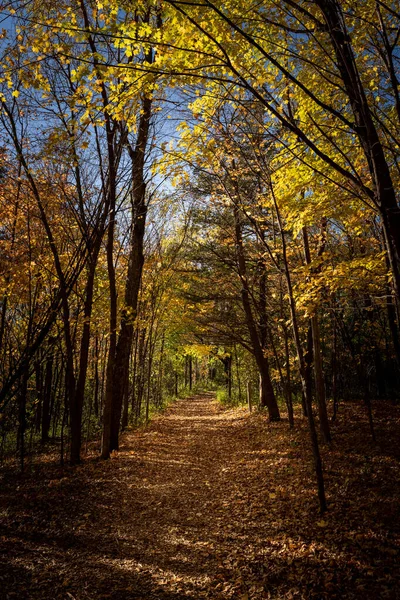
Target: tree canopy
(196,194)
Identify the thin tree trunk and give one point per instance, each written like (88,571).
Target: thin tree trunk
(22,419)
(76,415)
(300,356)
(190,372)
(238,374)
(111,195)
(47,393)
(267,395)
(160,371)
(334,365)
(96,378)
(285,384)
(39,392)
(108,400)
(134,374)
(317,354)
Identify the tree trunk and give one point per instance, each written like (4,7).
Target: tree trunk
(319,381)
(334,365)
(135,268)
(317,354)
(267,396)
(22,419)
(76,414)
(238,375)
(227,362)
(108,400)
(190,373)
(160,371)
(308,361)
(300,356)
(39,393)
(47,392)
(125,405)
(96,378)
(135,369)
(385,195)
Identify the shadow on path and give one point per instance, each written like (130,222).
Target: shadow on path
(204,503)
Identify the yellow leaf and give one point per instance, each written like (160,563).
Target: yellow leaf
(322,523)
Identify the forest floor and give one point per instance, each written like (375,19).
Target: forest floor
(210,503)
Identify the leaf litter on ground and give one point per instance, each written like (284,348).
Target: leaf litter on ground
(214,503)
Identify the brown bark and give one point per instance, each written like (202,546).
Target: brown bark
(334,366)
(108,400)
(308,361)
(300,356)
(22,424)
(317,354)
(96,377)
(286,385)
(190,372)
(135,268)
(47,392)
(76,410)
(141,373)
(385,196)
(267,395)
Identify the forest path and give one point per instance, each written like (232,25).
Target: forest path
(173,500)
(203,503)
(157,521)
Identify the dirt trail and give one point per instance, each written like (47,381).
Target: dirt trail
(204,503)
(153,522)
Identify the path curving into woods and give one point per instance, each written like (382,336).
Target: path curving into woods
(203,503)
